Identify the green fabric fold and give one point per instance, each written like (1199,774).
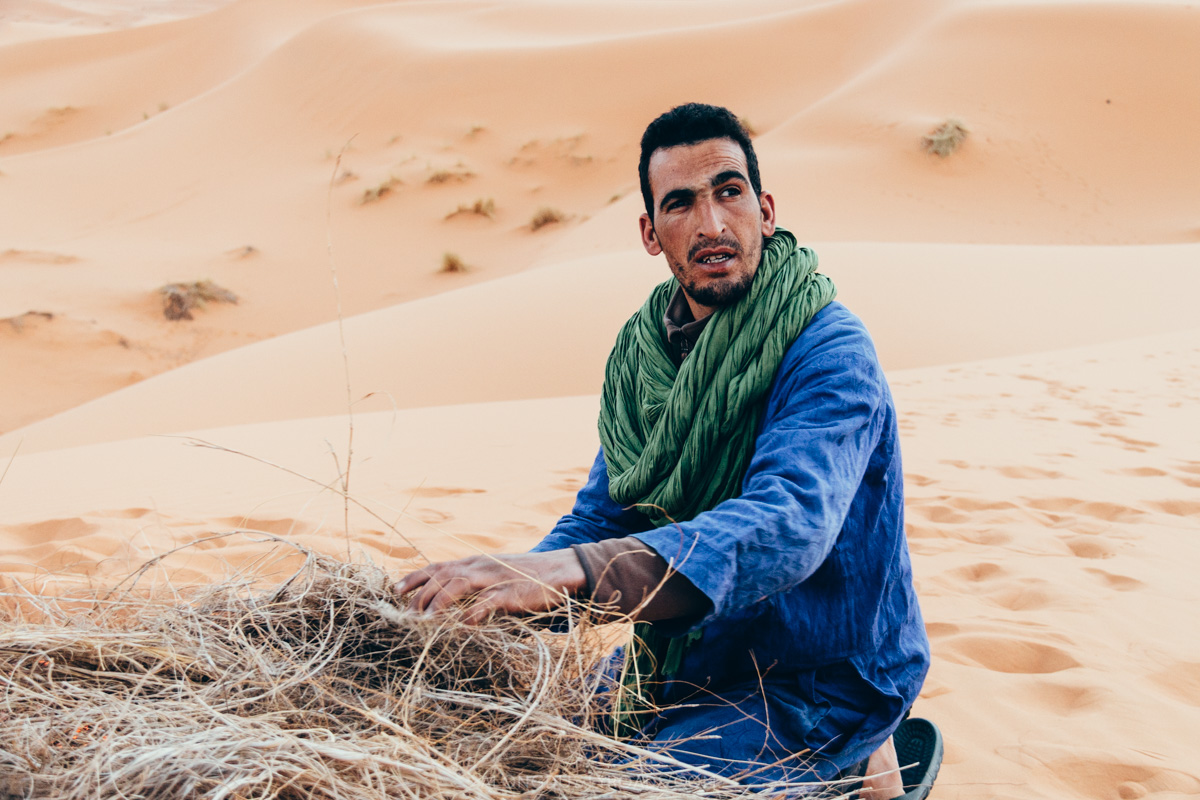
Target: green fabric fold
(678,441)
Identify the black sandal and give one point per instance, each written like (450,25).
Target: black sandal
(919,744)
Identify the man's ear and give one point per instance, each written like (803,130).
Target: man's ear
(650,238)
(767,202)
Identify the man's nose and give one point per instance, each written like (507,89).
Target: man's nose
(711,220)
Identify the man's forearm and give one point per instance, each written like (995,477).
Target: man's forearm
(632,581)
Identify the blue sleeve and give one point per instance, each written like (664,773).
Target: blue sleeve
(823,421)
(596,516)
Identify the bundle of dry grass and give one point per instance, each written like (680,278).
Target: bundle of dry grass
(320,688)
(179,299)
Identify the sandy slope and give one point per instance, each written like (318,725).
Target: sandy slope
(1052,501)
(1053,493)
(489,341)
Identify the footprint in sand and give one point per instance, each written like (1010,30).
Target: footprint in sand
(1179,508)
(1089,547)
(387,544)
(919,480)
(1065,699)
(555,507)
(1189,468)
(1031,594)
(939,630)
(36,257)
(976,504)
(122,513)
(942,514)
(1138,472)
(1097,776)
(52,530)
(1028,473)
(442,491)
(1108,512)
(988,537)
(514,529)
(1181,681)
(431,516)
(1121,583)
(1006,654)
(979,573)
(1136,445)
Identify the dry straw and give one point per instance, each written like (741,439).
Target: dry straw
(323,687)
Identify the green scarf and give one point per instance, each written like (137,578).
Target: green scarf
(677,441)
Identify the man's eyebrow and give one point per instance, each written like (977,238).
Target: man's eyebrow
(727,175)
(676,194)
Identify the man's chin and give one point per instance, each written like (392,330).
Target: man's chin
(720,294)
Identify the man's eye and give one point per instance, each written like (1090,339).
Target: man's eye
(730,191)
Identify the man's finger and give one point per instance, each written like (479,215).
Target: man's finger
(482,610)
(422,597)
(411,581)
(454,590)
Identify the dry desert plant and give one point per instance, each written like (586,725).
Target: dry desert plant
(545,216)
(179,299)
(447,175)
(483,207)
(378,191)
(451,262)
(322,687)
(945,138)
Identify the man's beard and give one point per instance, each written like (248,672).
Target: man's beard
(720,294)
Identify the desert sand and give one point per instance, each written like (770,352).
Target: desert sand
(1032,297)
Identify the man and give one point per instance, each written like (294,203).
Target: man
(746,506)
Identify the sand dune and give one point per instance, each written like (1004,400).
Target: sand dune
(229,148)
(1031,296)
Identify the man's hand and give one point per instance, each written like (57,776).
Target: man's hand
(512,584)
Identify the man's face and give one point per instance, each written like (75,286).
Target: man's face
(707,221)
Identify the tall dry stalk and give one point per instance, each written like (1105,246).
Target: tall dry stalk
(337,293)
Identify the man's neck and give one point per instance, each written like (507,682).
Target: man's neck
(699,312)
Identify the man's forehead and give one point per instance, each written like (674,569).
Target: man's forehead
(692,165)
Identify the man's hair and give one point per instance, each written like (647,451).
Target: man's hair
(692,123)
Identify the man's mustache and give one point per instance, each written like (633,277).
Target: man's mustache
(730,244)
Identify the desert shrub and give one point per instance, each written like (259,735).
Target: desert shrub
(483,207)
(380,190)
(945,138)
(546,216)
(180,299)
(452,263)
(447,175)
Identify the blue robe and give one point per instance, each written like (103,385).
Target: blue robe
(813,624)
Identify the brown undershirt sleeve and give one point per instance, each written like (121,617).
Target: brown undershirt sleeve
(622,573)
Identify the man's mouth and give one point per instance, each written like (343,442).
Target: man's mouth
(714,257)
